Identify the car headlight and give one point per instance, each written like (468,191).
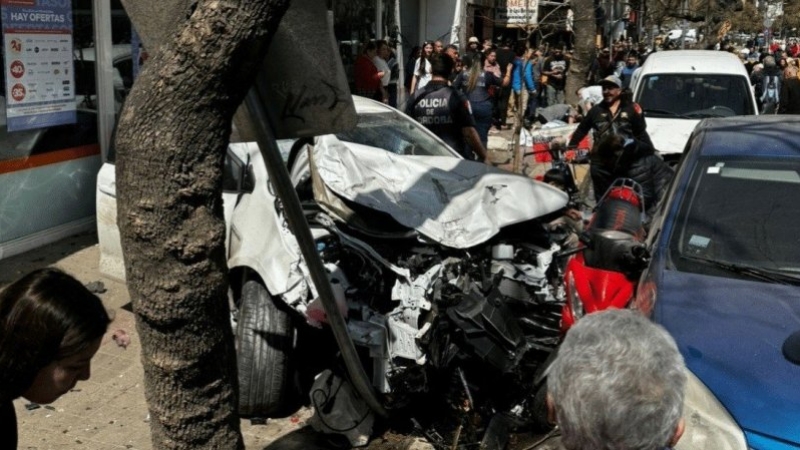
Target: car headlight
(708,423)
(645,297)
(575,301)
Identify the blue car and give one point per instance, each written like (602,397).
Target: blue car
(724,280)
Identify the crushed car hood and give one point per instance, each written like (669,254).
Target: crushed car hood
(730,333)
(455,202)
(670,135)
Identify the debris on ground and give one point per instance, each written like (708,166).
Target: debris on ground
(121,338)
(96,287)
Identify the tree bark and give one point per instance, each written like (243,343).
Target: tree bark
(171,143)
(584,35)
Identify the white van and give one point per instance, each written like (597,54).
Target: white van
(678,88)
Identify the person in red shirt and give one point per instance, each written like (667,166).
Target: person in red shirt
(367,76)
(794,49)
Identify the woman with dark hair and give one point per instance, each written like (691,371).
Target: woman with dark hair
(422,68)
(50,328)
(475,83)
(412,58)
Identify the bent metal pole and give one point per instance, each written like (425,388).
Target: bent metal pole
(281,181)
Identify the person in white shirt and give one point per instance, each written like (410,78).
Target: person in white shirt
(380,61)
(590,96)
(422,68)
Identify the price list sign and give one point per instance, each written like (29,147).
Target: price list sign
(39,75)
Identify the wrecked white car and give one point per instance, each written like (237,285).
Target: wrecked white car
(442,267)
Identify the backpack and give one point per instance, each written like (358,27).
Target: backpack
(770,89)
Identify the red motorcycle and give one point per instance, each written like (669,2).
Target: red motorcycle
(603,272)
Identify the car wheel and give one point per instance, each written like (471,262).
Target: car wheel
(264,350)
(539,419)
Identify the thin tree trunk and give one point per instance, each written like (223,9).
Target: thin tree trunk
(171,143)
(584,34)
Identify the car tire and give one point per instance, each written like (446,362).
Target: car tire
(264,349)
(540,422)
(539,416)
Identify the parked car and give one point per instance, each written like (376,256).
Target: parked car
(443,268)
(84,60)
(724,280)
(676,89)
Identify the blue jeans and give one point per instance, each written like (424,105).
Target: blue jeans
(554,96)
(482,113)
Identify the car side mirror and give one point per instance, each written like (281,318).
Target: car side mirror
(237,176)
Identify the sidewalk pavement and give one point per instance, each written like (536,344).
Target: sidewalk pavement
(501,154)
(108,411)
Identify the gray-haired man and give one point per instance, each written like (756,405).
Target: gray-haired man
(618,382)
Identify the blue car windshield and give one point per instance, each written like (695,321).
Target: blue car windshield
(741,212)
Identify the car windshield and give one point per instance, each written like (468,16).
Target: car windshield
(740,216)
(393,132)
(695,96)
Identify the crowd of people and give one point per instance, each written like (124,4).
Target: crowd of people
(491,80)
(478,90)
(774,74)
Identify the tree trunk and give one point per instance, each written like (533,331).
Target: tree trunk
(584,34)
(171,142)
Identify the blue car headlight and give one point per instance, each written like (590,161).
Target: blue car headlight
(708,423)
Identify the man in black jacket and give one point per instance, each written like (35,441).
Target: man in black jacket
(790,92)
(622,148)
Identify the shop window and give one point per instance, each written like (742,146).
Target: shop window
(48,84)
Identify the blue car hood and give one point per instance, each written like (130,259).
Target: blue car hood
(730,333)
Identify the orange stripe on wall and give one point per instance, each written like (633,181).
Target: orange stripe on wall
(30,162)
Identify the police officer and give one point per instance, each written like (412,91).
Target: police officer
(446,111)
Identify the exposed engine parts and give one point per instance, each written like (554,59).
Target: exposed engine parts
(465,327)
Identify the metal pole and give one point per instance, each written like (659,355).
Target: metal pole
(379,34)
(401,74)
(458,17)
(423,13)
(106,113)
